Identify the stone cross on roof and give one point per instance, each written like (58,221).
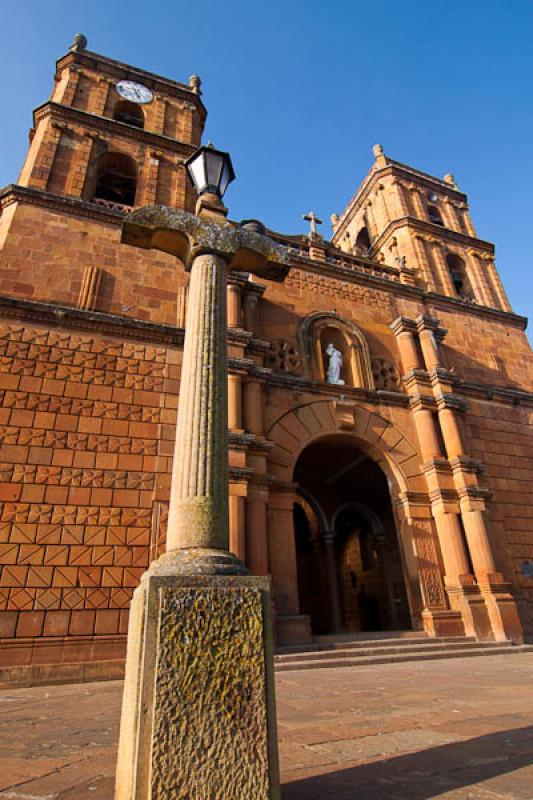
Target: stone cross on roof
(314,221)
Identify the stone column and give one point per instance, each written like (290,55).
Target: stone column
(198,716)
(371,221)
(291,626)
(456,564)
(417,203)
(388,581)
(234,306)
(237,535)
(253,407)
(423,262)
(181,310)
(235,402)
(406,331)
(443,272)
(257,559)
(430,348)
(402,201)
(332,572)
(198,512)
(250,311)
(497,285)
(426,429)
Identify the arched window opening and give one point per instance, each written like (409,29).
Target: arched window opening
(459,276)
(116,179)
(130,113)
(435,216)
(362,242)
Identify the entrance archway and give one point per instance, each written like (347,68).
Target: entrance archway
(349,562)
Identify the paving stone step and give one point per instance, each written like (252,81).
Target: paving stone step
(405,656)
(362,644)
(427,647)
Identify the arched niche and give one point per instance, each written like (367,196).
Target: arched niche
(319,330)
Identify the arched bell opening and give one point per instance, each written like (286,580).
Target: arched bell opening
(128,112)
(114,180)
(350,565)
(362,242)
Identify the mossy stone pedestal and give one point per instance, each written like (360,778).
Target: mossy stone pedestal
(198,717)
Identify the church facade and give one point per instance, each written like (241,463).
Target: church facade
(379,401)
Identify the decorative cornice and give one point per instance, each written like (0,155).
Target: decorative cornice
(440,233)
(96,122)
(13,193)
(53,315)
(121,71)
(301,385)
(491,392)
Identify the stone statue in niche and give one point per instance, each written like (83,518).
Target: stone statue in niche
(334,367)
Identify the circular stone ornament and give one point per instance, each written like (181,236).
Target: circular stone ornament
(135,92)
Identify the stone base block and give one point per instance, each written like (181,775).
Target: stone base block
(469,601)
(198,714)
(294,629)
(443,623)
(503,615)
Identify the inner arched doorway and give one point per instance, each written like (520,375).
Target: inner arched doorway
(349,561)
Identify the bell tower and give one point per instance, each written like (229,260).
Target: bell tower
(111,137)
(400,215)
(114,135)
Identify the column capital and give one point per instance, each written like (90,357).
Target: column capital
(186,236)
(466,464)
(422,402)
(425,322)
(474,498)
(444,501)
(403,325)
(416,380)
(452,402)
(441,376)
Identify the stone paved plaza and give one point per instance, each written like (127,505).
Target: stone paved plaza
(453,730)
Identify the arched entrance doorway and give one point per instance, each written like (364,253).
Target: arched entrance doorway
(350,571)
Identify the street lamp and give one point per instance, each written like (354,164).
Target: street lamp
(210,170)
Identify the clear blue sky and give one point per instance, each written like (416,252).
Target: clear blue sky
(299,91)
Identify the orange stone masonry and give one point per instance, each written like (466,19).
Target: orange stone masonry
(437,397)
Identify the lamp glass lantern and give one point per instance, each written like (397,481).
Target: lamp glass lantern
(210,170)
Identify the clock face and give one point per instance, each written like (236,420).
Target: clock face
(135,92)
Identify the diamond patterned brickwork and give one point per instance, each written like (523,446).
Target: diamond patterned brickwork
(81,427)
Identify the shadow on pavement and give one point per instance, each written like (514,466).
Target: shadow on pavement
(425,774)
